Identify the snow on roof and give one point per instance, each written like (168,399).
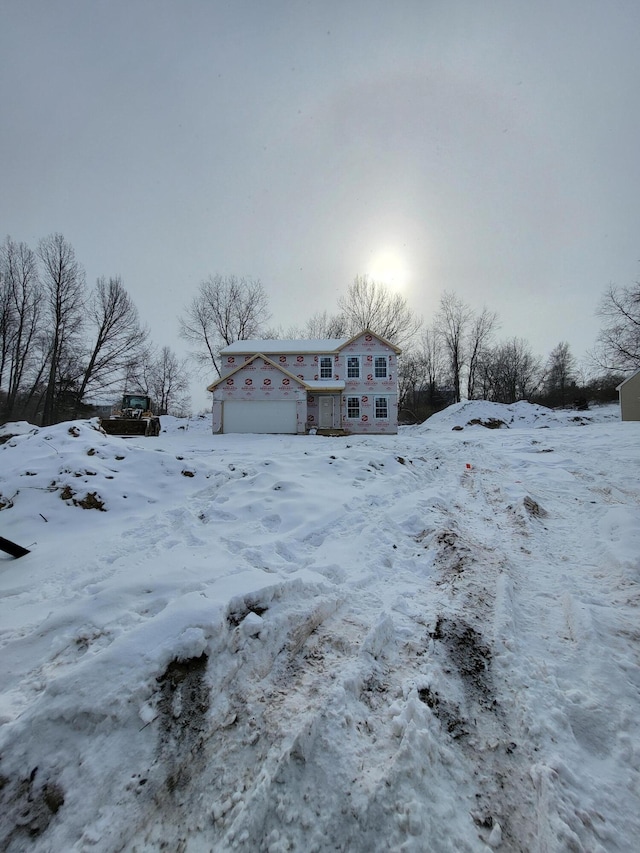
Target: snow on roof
(276,346)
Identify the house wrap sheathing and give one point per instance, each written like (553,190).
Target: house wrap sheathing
(336,384)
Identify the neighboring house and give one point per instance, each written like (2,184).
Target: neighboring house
(629,394)
(272,386)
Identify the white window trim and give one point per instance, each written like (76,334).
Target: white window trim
(382,358)
(376,416)
(354,417)
(330,376)
(346,366)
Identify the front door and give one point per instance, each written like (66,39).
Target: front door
(326,412)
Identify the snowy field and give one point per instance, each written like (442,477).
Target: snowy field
(424,642)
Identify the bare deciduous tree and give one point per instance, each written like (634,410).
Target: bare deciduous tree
(20,316)
(165,379)
(47,362)
(482,328)
(422,385)
(63,281)
(451,324)
(434,364)
(323,325)
(560,374)
(226,309)
(6,326)
(411,380)
(618,343)
(119,340)
(512,372)
(369,305)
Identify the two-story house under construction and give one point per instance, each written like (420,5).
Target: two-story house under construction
(345,385)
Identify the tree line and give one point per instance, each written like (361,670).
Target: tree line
(63,345)
(458,355)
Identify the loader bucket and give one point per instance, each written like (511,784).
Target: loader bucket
(129,426)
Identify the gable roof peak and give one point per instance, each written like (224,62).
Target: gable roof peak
(378,337)
(249,361)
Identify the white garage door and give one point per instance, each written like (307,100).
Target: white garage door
(271,416)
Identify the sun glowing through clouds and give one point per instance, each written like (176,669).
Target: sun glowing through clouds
(388,267)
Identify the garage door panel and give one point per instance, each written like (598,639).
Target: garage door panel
(261,416)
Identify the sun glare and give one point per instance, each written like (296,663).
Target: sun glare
(388,267)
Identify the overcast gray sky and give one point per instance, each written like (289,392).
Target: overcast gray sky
(488,148)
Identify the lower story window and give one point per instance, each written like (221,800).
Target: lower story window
(382,408)
(353,407)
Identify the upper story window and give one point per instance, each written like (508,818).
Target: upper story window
(380,367)
(326,367)
(353,367)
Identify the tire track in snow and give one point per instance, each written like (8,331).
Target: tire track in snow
(340,717)
(374,704)
(555,617)
(321,739)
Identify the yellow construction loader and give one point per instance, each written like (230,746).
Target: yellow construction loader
(134,418)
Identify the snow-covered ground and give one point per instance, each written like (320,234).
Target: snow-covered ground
(424,642)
